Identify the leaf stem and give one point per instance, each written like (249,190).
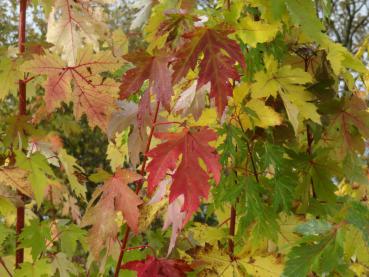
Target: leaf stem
(141,247)
(168,123)
(138,188)
(5,267)
(249,152)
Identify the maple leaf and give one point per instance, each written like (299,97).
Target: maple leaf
(288,83)
(175,217)
(118,149)
(122,119)
(125,200)
(40,174)
(349,126)
(35,236)
(214,261)
(154,267)
(192,143)
(91,93)
(153,68)
(253,32)
(70,207)
(116,196)
(69,164)
(40,267)
(9,75)
(16,178)
(216,67)
(72,23)
(138,118)
(254,112)
(63,265)
(191,101)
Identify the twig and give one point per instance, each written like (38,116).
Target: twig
(138,188)
(5,267)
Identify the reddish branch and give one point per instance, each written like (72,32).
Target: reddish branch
(232,228)
(138,188)
(22,111)
(232,224)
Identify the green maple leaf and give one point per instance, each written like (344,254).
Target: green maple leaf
(283,190)
(69,236)
(354,169)
(318,171)
(9,76)
(70,167)
(35,236)
(39,172)
(40,268)
(18,129)
(253,212)
(358,216)
(303,13)
(318,254)
(5,233)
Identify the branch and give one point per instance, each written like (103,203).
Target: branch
(232,228)
(19,254)
(138,188)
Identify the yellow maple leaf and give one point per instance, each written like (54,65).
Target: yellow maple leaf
(117,151)
(253,32)
(265,115)
(288,83)
(254,112)
(203,234)
(216,262)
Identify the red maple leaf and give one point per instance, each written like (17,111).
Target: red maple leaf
(125,199)
(153,267)
(189,178)
(115,196)
(218,63)
(91,93)
(153,68)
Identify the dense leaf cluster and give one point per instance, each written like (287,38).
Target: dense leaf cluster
(236,144)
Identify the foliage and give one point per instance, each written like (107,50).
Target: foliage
(240,124)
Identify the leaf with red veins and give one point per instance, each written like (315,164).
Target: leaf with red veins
(350,126)
(218,69)
(189,179)
(220,54)
(116,189)
(92,94)
(154,267)
(72,23)
(57,85)
(91,100)
(116,196)
(153,68)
